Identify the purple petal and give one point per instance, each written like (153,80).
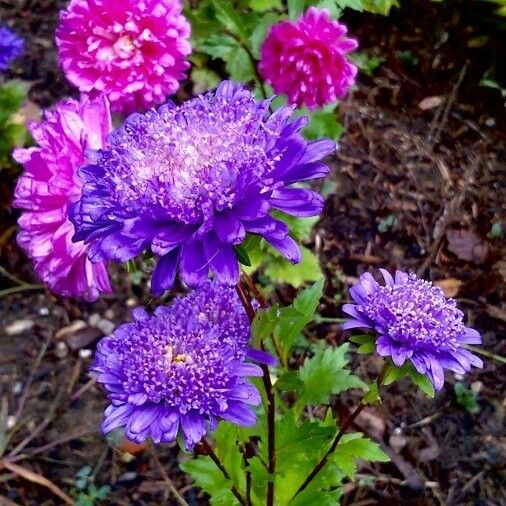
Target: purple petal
(471,336)
(247,393)
(240,414)
(222,260)
(297,201)
(228,228)
(194,264)
(262,357)
(165,272)
(193,428)
(287,247)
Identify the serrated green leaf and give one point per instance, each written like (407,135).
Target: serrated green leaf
(373,395)
(323,124)
(230,17)
(324,374)
(355,446)
(219,45)
(263,325)
(308,299)
(239,65)
(210,479)
(289,382)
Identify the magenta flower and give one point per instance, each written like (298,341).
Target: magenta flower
(49,185)
(306,59)
(132,51)
(414,321)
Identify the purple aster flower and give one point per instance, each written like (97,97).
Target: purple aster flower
(182,369)
(190,181)
(11,46)
(415,322)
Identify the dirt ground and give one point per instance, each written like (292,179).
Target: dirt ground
(418,183)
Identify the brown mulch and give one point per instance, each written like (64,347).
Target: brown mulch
(413,187)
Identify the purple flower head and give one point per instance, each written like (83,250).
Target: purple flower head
(182,369)
(415,322)
(190,181)
(11,46)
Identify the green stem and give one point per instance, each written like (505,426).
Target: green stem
(346,425)
(485,353)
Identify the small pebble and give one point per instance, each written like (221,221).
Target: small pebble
(10,422)
(490,122)
(398,442)
(106,326)
(458,377)
(62,350)
(44,311)
(18,327)
(85,353)
(131,302)
(476,387)
(109,314)
(94,319)
(17,388)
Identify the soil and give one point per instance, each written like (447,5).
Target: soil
(418,183)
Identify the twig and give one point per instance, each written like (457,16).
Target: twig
(19,289)
(37,478)
(331,450)
(221,467)
(83,389)
(254,290)
(40,428)
(485,353)
(170,485)
(35,366)
(449,103)
(346,425)
(271,408)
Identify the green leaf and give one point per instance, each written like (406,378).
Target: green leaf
(355,446)
(230,17)
(265,5)
(394,373)
(239,65)
(242,255)
(289,382)
(299,447)
(379,6)
(219,46)
(260,32)
(204,79)
(324,374)
(323,124)
(280,270)
(295,8)
(308,299)
(372,396)
(210,479)
(367,64)
(263,325)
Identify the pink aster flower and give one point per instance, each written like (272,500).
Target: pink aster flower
(47,187)
(306,59)
(133,51)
